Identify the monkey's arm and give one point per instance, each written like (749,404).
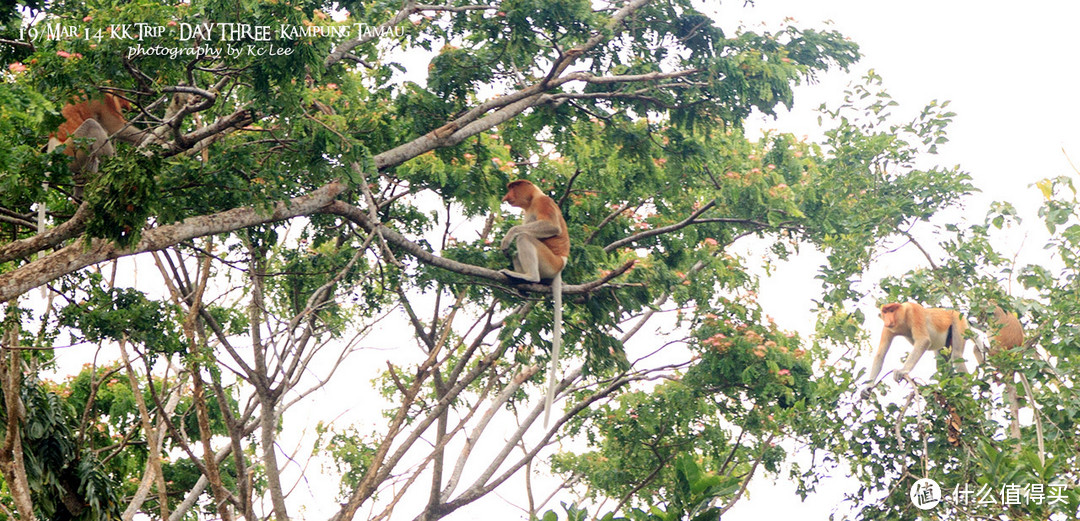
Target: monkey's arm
(538,229)
(879,357)
(86,144)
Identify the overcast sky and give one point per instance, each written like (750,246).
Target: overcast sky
(1010,72)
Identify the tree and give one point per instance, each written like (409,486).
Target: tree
(958,430)
(295,190)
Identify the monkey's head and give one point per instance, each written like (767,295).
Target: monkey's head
(520,193)
(888,314)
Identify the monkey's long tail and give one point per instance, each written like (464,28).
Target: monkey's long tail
(556,344)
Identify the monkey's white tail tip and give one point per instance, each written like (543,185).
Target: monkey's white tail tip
(556,344)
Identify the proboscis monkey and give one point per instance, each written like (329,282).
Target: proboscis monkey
(925,328)
(93,121)
(88,125)
(1009,334)
(543,248)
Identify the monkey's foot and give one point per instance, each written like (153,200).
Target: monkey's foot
(519,276)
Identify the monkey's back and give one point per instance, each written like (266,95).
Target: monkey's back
(558,244)
(108,110)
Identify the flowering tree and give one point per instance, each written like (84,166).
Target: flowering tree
(301,185)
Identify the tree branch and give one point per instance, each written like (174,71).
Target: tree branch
(81,255)
(661,230)
(359,217)
(47,239)
(625,78)
(456,9)
(345,48)
(749,475)
(507,106)
(17,222)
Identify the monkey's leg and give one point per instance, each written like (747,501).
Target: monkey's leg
(957,356)
(526,263)
(958,345)
(980,345)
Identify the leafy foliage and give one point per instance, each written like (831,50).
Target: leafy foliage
(630,115)
(125,314)
(68,483)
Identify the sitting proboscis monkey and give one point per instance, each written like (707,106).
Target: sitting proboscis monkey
(543,248)
(86,131)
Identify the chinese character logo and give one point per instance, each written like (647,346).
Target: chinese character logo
(925,494)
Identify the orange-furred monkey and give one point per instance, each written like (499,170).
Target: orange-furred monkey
(94,120)
(1009,334)
(543,248)
(542,239)
(925,328)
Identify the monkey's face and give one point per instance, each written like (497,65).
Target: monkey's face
(888,316)
(889,319)
(519,193)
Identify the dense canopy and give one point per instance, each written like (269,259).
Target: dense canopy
(313,201)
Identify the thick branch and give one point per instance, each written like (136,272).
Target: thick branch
(359,217)
(12,466)
(345,48)
(49,238)
(80,255)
